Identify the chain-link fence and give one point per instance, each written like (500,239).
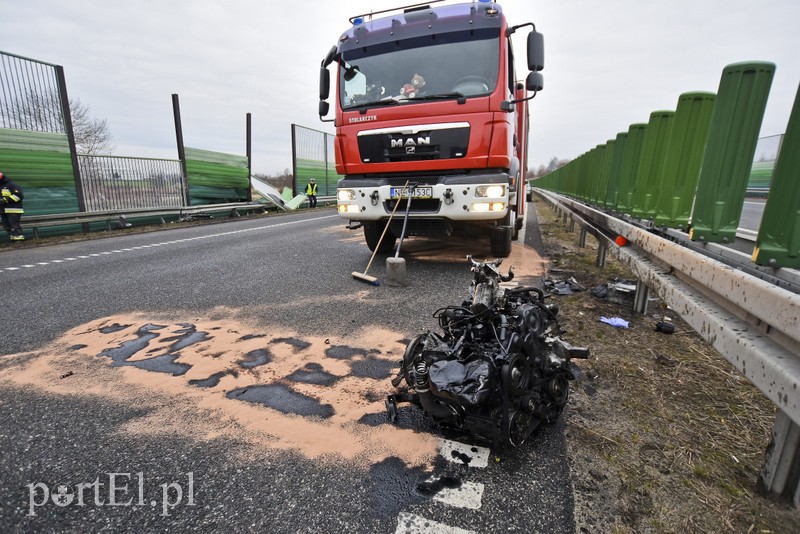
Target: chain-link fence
(313,157)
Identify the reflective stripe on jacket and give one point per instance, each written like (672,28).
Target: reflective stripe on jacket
(12,197)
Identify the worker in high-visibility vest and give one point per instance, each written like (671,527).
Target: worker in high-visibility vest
(11,208)
(311,193)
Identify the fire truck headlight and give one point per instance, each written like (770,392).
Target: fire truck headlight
(490,191)
(482,207)
(344,195)
(349,208)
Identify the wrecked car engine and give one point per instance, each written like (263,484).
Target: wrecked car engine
(497,370)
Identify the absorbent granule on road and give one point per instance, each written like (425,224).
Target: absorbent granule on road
(199,378)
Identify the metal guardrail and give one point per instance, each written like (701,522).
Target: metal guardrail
(112,217)
(752,322)
(121,217)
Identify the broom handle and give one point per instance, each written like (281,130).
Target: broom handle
(374,252)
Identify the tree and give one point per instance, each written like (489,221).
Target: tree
(92,135)
(41,112)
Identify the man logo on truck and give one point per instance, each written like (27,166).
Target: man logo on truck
(410,142)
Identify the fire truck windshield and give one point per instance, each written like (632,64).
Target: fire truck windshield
(449,65)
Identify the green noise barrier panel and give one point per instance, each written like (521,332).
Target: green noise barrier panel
(612,189)
(778,242)
(630,163)
(584,173)
(651,164)
(216,177)
(40,163)
(732,138)
(595,171)
(684,157)
(605,172)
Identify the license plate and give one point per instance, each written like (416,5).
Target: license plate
(419,192)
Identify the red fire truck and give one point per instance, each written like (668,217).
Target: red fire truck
(428,95)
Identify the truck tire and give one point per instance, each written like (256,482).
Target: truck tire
(372,233)
(500,241)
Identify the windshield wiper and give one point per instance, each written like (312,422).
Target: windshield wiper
(374,103)
(439,96)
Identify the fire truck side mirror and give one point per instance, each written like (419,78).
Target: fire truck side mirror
(324,83)
(324,107)
(535,51)
(534,82)
(330,57)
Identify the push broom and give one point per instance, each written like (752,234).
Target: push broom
(364,277)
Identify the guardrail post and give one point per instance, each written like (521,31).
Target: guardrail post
(780,475)
(778,241)
(630,163)
(582,238)
(651,164)
(732,138)
(641,297)
(684,156)
(602,249)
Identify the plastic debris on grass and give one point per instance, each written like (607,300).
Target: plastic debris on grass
(615,321)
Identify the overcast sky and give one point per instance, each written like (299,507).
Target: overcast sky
(608,64)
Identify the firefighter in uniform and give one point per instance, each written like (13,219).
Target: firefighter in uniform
(11,208)
(311,193)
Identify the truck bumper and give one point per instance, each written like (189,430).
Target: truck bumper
(459,198)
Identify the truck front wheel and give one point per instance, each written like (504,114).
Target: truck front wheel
(500,241)
(372,234)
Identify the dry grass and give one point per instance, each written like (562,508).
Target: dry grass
(664,434)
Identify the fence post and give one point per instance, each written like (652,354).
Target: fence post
(294,160)
(249,148)
(67,114)
(778,241)
(728,158)
(176,112)
(684,158)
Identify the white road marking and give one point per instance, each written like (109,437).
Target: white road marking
(416,524)
(467,495)
(460,453)
(221,234)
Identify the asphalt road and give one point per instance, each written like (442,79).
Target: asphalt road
(94,441)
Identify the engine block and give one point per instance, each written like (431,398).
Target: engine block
(499,368)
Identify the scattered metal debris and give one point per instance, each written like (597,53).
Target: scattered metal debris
(563,287)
